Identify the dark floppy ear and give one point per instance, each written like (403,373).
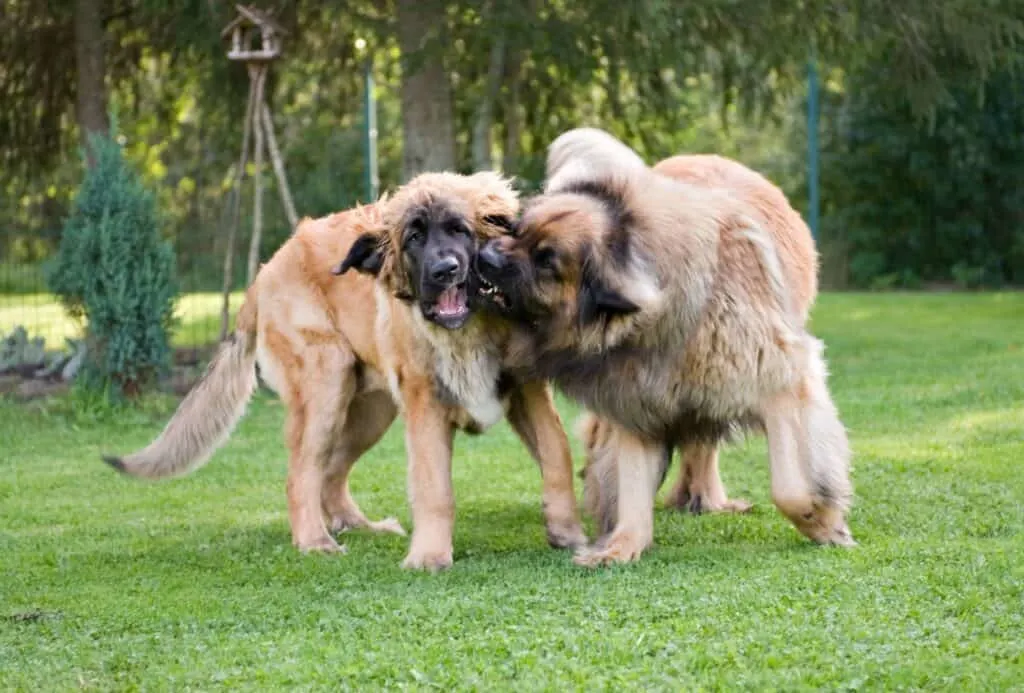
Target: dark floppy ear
(364,256)
(503,222)
(597,300)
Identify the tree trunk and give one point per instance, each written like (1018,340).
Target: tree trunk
(426,92)
(513,116)
(90,64)
(483,119)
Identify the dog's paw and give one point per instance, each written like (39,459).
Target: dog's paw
(566,536)
(826,526)
(343,522)
(389,525)
(616,548)
(839,535)
(698,505)
(430,561)
(323,544)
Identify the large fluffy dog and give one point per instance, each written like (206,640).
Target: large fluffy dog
(671,310)
(699,486)
(345,356)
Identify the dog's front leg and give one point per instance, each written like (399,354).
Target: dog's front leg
(533,416)
(428,442)
(639,465)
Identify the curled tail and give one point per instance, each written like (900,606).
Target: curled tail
(205,418)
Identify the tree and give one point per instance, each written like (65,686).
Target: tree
(90,68)
(115,270)
(428,127)
(938,201)
(488,81)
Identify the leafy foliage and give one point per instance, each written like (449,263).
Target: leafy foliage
(114,269)
(722,75)
(919,203)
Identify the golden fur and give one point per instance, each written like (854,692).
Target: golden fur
(699,487)
(676,312)
(345,355)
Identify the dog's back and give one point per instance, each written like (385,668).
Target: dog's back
(788,230)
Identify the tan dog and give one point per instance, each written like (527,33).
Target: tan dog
(346,356)
(671,310)
(699,487)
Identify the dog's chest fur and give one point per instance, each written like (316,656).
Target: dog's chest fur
(467,369)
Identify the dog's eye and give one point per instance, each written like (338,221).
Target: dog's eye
(546,259)
(457,227)
(415,231)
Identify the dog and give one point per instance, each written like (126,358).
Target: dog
(670,310)
(347,355)
(699,488)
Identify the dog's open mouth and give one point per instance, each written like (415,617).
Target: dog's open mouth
(451,308)
(492,292)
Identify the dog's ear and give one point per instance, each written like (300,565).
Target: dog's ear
(504,223)
(599,301)
(365,256)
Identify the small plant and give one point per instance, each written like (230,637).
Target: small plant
(114,269)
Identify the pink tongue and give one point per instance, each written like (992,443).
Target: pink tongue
(448,302)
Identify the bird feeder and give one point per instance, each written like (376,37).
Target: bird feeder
(256,41)
(255,36)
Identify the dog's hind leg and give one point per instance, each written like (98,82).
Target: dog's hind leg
(699,488)
(809,455)
(321,387)
(369,417)
(639,469)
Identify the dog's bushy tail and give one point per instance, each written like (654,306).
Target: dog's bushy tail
(588,154)
(205,418)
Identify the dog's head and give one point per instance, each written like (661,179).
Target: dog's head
(429,231)
(570,268)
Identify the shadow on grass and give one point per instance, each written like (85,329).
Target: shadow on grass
(507,538)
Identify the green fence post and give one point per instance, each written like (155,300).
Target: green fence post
(813,202)
(370,132)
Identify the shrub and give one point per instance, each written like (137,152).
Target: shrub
(114,269)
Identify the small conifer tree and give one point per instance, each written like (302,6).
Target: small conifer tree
(114,269)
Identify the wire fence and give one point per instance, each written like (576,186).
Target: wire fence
(38,336)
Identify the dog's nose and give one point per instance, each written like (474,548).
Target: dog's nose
(444,269)
(491,256)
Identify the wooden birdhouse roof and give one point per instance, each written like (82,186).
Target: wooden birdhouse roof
(251,16)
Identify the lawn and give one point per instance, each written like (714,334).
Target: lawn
(41,314)
(108,583)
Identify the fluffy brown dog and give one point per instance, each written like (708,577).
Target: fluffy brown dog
(699,487)
(346,356)
(669,309)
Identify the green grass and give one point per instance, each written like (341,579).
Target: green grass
(112,584)
(20,278)
(42,315)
